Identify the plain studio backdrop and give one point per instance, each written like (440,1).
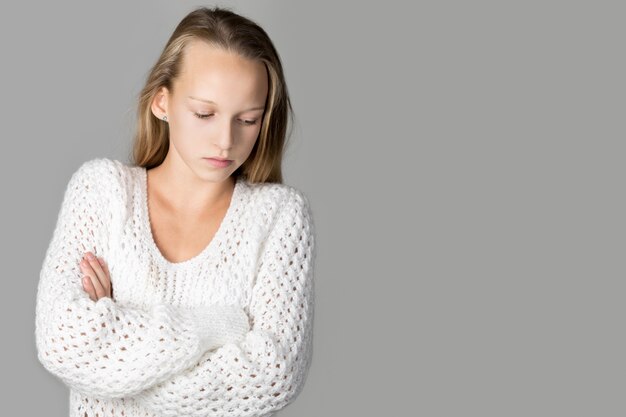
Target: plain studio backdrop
(465,166)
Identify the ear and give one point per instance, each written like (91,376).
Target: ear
(159,103)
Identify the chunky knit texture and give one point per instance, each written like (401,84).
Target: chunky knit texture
(225,333)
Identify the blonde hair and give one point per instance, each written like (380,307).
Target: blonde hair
(225,29)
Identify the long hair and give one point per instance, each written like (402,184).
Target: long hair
(225,29)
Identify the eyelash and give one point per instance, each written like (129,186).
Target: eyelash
(245,122)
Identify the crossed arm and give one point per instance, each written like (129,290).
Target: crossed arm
(267,369)
(193,363)
(99,347)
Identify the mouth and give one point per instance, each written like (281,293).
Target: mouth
(218,162)
(218,159)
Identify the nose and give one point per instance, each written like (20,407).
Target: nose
(225,137)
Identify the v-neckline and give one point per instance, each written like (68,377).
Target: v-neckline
(217,237)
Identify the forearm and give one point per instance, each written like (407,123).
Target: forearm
(107,350)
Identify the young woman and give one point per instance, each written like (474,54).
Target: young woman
(182,285)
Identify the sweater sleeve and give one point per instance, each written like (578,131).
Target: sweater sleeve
(101,348)
(267,370)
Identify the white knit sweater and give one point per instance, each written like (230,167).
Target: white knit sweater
(225,333)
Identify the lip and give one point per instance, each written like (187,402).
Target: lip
(218,159)
(218,162)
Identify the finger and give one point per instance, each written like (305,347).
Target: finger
(102,263)
(86,279)
(105,268)
(95,281)
(105,286)
(94,285)
(89,288)
(108,274)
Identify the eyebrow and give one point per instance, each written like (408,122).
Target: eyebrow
(212,102)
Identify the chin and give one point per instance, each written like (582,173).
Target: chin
(215,174)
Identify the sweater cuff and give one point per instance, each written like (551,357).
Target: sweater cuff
(217,325)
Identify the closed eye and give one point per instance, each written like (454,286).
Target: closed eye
(245,122)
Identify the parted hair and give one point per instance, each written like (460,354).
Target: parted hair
(222,28)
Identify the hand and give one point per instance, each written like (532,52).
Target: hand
(96,278)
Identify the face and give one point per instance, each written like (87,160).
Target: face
(214,111)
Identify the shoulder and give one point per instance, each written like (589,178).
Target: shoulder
(100,178)
(279,198)
(98,170)
(282,206)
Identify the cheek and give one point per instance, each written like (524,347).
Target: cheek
(250,137)
(184,138)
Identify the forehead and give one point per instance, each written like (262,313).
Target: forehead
(211,72)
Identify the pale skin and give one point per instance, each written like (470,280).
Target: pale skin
(215,110)
(96,281)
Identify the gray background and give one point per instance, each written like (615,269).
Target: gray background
(465,165)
